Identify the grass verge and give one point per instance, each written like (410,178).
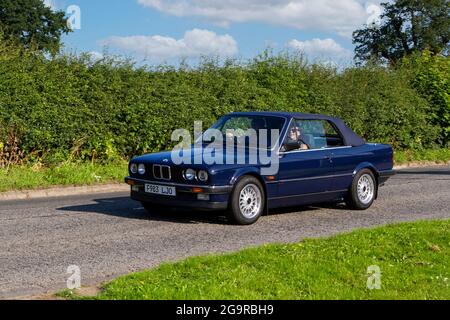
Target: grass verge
(77,174)
(414,259)
(434,155)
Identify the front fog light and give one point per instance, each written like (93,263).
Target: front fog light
(203,197)
(133,168)
(141,169)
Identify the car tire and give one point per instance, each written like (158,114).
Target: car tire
(247,201)
(152,208)
(363,191)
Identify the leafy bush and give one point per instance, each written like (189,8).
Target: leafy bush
(71,108)
(432,80)
(382,106)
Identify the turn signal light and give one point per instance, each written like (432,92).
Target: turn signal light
(197,190)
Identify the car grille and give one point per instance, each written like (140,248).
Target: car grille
(161,172)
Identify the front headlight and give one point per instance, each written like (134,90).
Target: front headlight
(189,174)
(141,169)
(202,176)
(133,168)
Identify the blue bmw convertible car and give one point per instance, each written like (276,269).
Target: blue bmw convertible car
(307,159)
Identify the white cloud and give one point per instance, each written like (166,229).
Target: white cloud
(195,43)
(51,4)
(341,17)
(324,49)
(95,55)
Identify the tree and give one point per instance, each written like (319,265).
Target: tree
(32,24)
(406,26)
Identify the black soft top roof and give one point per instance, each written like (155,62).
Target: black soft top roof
(349,136)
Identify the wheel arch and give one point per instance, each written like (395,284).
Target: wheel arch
(252,172)
(371,167)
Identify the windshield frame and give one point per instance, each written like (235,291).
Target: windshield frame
(218,125)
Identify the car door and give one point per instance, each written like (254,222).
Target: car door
(344,159)
(344,162)
(304,172)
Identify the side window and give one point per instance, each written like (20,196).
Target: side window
(319,134)
(334,139)
(236,123)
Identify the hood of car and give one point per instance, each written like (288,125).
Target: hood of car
(155,158)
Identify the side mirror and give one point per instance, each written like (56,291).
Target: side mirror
(292,145)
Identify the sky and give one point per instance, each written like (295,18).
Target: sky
(166,31)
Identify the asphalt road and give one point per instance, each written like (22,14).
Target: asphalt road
(109,235)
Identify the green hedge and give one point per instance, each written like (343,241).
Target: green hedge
(69,108)
(432,80)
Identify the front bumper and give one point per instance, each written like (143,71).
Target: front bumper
(187,195)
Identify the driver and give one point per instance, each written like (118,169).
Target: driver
(295,135)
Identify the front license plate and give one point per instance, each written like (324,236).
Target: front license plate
(161,190)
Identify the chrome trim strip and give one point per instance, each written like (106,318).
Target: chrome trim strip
(308,194)
(312,178)
(180,185)
(311,150)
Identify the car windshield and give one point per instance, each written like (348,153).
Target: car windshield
(238,126)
